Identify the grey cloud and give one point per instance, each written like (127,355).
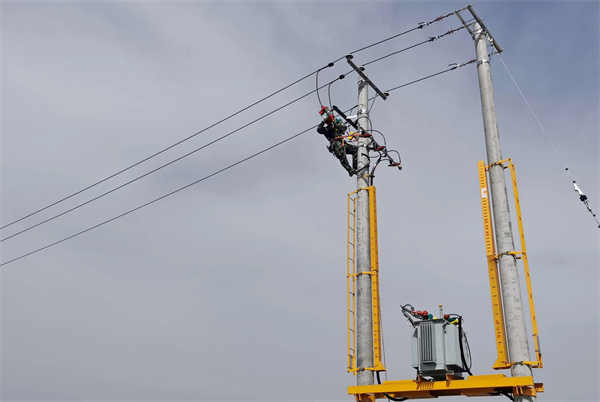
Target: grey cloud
(235,288)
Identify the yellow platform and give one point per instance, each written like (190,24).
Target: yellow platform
(480,385)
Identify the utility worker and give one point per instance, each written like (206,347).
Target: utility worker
(334,130)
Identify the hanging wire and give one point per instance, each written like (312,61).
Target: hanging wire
(582,197)
(329,94)
(317,86)
(383,136)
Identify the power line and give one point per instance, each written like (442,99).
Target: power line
(195,182)
(431,39)
(420,26)
(218,139)
(457,66)
(165,165)
(162,197)
(161,151)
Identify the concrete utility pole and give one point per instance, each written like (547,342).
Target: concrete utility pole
(364,304)
(514,316)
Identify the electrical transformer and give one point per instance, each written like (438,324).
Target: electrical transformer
(439,345)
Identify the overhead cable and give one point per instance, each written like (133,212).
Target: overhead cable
(454,67)
(161,151)
(420,26)
(167,164)
(161,197)
(582,197)
(431,39)
(188,185)
(213,142)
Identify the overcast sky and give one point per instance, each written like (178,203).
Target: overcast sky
(234,289)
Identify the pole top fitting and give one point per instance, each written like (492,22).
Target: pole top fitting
(349,57)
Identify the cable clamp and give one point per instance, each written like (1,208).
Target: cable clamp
(483,61)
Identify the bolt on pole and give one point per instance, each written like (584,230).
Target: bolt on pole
(364,302)
(514,315)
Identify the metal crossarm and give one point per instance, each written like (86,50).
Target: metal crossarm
(359,70)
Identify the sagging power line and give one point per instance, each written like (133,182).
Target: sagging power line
(419,26)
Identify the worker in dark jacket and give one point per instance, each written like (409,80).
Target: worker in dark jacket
(334,131)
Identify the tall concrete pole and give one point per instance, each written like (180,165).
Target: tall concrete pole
(364,302)
(514,315)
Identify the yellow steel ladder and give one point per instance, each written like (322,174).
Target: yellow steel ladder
(503,361)
(351,283)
